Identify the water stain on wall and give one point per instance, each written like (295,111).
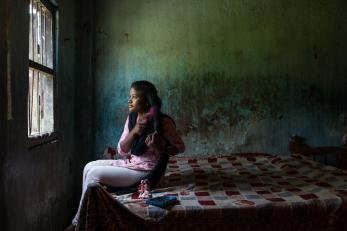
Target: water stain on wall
(235,75)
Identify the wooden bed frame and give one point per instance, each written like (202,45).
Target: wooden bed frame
(298,145)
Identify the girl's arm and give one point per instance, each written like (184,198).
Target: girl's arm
(170,134)
(122,149)
(128,137)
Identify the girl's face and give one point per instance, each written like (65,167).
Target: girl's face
(137,102)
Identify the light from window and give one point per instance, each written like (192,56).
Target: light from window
(40,102)
(41,72)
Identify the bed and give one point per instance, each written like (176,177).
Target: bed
(248,191)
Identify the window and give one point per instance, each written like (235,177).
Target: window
(41,69)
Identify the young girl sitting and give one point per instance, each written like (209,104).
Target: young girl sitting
(148,139)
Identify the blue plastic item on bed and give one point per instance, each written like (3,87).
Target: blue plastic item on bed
(162,201)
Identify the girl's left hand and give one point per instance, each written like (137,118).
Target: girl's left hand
(153,140)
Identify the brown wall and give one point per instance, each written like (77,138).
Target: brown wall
(40,187)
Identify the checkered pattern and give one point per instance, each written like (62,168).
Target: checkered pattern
(233,183)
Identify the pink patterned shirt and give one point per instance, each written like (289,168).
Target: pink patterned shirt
(147,160)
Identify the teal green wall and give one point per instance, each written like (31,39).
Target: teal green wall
(236,75)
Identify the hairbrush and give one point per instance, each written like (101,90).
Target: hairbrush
(150,115)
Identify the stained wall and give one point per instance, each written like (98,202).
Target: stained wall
(237,75)
(40,186)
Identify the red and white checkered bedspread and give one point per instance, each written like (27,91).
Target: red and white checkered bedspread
(244,188)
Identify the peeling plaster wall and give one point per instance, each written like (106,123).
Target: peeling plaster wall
(39,187)
(236,75)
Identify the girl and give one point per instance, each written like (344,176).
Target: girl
(148,139)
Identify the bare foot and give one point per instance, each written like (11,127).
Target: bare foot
(70,228)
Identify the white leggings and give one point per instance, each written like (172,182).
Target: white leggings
(101,171)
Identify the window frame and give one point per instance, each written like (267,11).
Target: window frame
(52,137)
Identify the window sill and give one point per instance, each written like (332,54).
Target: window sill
(41,140)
